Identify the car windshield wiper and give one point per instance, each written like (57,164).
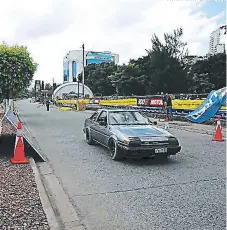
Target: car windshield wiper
(142,124)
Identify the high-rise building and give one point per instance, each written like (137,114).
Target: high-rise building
(218,41)
(73,62)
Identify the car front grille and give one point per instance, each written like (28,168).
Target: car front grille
(154,143)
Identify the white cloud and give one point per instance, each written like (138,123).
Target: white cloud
(52,27)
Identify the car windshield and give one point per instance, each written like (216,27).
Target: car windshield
(127,118)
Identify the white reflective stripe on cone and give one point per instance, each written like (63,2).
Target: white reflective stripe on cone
(17,138)
(19,133)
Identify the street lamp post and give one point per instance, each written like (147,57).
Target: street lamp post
(78,88)
(83,71)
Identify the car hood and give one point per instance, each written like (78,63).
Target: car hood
(141,131)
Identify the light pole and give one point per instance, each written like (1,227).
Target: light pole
(83,71)
(78,88)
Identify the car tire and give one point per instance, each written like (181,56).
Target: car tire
(116,152)
(88,137)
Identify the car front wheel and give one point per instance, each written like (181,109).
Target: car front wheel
(115,152)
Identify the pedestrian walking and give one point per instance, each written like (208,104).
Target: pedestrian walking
(48,104)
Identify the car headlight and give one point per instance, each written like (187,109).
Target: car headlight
(173,141)
(133,142)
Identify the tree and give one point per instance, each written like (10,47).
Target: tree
(173,46)
(167,73)
(131,81)
(209,74)
(17,69)
(97,78)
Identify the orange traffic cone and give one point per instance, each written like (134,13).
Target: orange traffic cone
(218,134)
(19,154)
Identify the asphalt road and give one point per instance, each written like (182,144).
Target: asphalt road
(184,192)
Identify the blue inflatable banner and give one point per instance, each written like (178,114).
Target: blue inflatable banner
(209,107)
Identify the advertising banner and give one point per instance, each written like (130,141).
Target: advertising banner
(152,102)
(97,58)
(66,70)
(124,102)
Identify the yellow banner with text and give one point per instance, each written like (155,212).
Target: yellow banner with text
(124,102)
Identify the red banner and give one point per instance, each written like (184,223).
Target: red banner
(156,102)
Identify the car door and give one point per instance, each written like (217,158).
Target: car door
(93,124)
(102,131)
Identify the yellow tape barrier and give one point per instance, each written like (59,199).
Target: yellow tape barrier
(177,104)
(129,101)
(86,101)
(66,102)
(189,104)
(65,108)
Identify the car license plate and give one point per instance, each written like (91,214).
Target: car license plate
(162,150)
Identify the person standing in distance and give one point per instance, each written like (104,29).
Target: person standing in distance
(48,104)
(169,107)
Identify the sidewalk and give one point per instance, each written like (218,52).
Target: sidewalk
(20,207)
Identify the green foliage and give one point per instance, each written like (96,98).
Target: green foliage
(132,81)
(161,70)
(96,77)
(17,69)
(208,74)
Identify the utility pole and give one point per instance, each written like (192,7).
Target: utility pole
(78,87)
(35,92)
(83,71)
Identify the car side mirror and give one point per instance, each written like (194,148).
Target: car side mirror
(102,123)
(155,122)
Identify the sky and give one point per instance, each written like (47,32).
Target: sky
(50,28)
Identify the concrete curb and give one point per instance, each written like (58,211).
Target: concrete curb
(47,207)
(67,215)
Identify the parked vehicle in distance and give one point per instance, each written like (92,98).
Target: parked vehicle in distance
(129,133)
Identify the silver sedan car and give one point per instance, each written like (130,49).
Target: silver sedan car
(129,133)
